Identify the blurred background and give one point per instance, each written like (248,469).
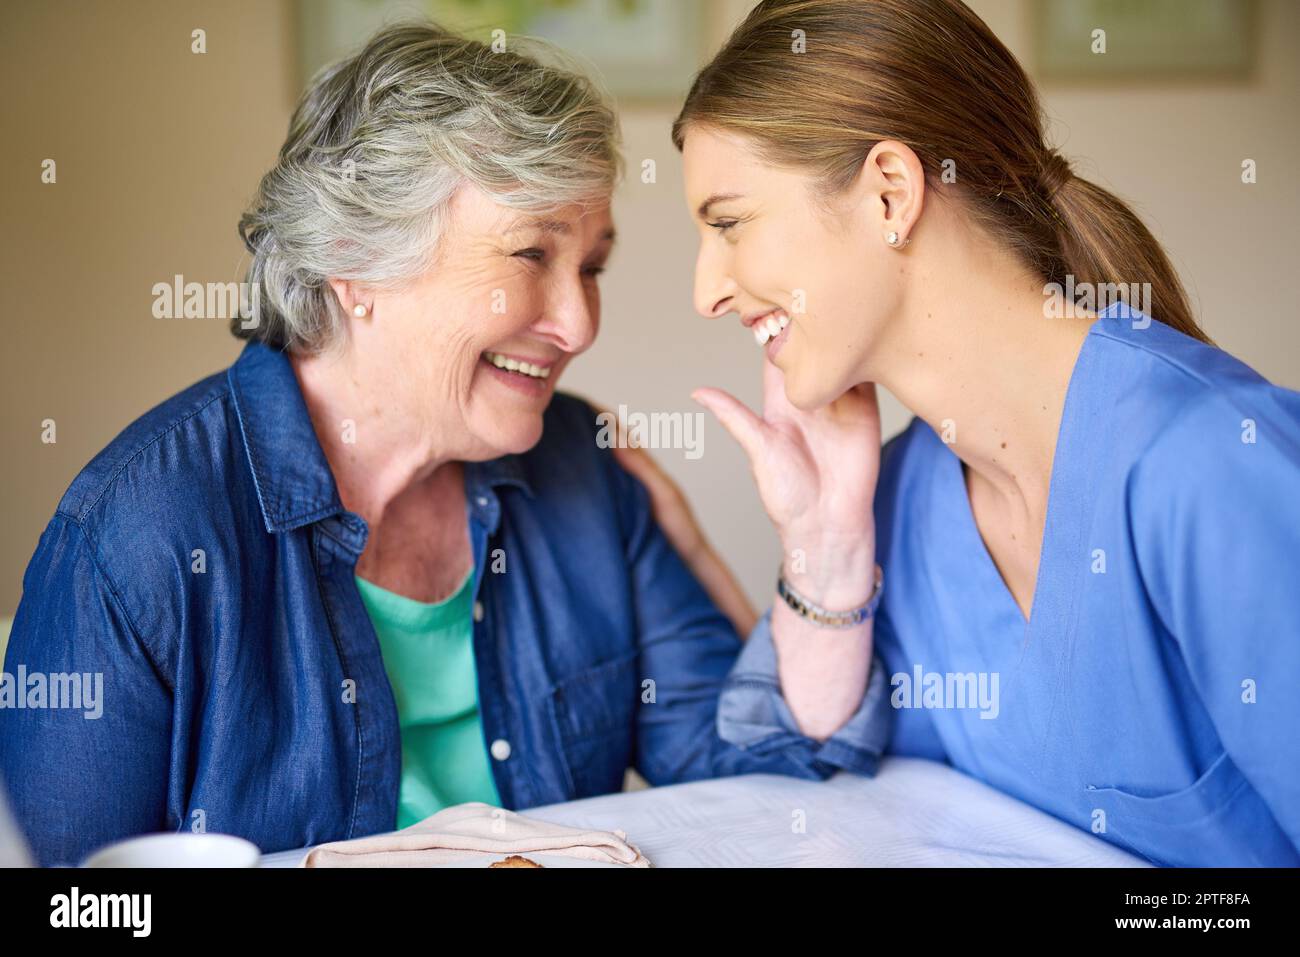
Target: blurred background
(158,147)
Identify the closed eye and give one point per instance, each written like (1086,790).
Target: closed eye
(723,225)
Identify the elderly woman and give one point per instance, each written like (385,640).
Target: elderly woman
(378,566)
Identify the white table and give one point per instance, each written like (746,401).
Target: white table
(913,813)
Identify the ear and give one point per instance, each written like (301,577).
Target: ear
(349,296)
(893,175)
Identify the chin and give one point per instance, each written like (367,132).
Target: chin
(515,435)
(805,393)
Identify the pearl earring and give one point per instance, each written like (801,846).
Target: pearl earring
(893,240)
(360,310)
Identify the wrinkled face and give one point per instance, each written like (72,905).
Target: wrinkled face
(473,349)
(812,286)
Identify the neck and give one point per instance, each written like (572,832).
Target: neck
(375,454)
(976,357)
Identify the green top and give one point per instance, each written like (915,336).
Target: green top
(428,652)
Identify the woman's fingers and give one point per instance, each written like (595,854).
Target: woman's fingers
(737,418)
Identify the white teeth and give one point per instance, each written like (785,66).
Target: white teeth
(514,365)
(769,327)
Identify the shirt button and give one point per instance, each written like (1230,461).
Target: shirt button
(478,611)
(482,501)
(500,749)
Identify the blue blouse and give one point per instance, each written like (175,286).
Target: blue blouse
(1153,697)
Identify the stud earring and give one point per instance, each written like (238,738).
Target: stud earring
(360,310)
(893,239)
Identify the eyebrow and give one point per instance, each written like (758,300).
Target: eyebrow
(553,226)
(545,225)
(715,198)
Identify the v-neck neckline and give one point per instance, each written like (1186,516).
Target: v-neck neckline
(1064,519)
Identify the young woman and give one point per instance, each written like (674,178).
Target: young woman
(1091,529)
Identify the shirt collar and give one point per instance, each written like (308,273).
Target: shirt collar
(483,478)
(507,470)
(294,484)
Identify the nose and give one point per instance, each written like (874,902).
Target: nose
(715,291)
(571,319)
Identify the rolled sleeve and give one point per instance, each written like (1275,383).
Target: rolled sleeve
(753,714)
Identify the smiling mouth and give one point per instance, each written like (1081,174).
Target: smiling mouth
(519,367)
(769,326)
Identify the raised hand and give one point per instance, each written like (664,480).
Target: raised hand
(816,474)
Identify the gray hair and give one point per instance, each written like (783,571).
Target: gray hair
(377,147)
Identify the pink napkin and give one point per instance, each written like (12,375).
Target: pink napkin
(475,830)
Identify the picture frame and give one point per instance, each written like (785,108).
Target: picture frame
(1144,40)
(640,50)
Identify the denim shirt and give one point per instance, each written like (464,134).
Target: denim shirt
(203,565)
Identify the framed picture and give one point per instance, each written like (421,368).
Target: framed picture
(1099,40)
(640,49)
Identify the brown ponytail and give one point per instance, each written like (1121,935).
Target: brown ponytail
(930,74)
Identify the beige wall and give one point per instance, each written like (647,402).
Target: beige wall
(158,149)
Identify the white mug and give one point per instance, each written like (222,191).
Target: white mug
(177,850)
